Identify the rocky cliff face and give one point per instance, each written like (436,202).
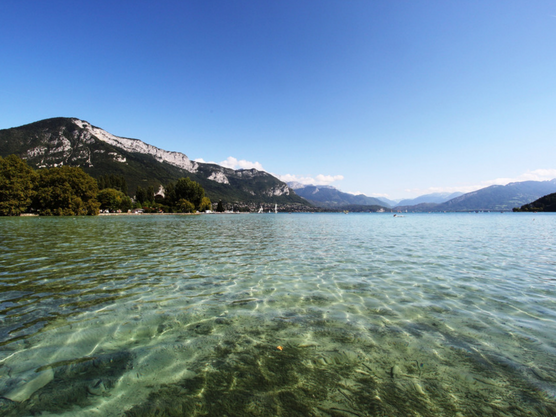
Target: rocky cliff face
(134,145)
(71,141)
(52,145)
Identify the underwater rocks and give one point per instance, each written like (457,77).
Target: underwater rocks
(72,383)
(259,381)
(7,405)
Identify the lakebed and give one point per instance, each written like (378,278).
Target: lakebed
(278,314)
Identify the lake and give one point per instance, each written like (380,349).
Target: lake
(279,315)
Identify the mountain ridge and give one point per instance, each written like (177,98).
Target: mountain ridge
(492,198)
(436,198)
(327,196)
(75,142)
(72,141)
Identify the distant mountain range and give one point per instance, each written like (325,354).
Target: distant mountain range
(329,197)
(436,198)
(493,198)
(388,202)
(74,142)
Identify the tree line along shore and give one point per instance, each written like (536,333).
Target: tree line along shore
(69,191)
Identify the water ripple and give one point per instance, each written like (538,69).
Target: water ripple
(429,314)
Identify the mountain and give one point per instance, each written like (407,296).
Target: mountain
(493,198)
(435,198)
(327,196)
(74,142)
(546,203)
(387,202)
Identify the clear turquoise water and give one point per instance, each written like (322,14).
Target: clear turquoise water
(430,315)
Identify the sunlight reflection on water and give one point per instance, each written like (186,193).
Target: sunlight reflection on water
(435,314)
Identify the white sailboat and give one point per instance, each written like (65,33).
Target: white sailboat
(275,208)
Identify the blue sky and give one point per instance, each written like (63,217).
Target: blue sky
(391,98)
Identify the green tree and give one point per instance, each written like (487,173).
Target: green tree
(101,182)
(141,194)
(170,194)
(220,207)
(205,204)
(150,193)
(190,191)
(127,204)
(116,182)
(109,199)
(185,206)
(66,191)
(113,200)
(17,186)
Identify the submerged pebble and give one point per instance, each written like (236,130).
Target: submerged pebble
(97,388)
(395,371)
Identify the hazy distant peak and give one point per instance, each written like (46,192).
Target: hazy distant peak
(294,185)
(436,198)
